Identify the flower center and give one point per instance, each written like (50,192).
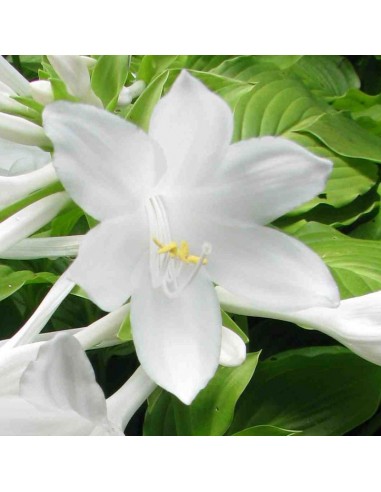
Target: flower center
(171,264)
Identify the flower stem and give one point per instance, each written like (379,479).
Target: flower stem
(122,405)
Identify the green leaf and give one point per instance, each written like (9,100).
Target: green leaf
(125,330)
(266,430)
(275,108)
(349,179)
(60,91)
(330,75)
(141,111)
(211,412)
(345,137)
(335,217)
(11,281)
(354,263)
(153,65)
(108,78)
(320,391)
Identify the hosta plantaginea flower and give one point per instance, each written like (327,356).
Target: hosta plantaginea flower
(179,209)
(57,394)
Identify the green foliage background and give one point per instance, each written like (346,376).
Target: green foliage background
(294,381)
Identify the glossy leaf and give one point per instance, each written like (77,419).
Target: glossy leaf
(211,412)
(108,78)
(320,391)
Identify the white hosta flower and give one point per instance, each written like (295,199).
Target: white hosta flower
(11,78)
(49,387)
(30,219)
(127,94)
(356,322)
(58,395)
(74,71)
(179,209)
(23,170)
(42,91)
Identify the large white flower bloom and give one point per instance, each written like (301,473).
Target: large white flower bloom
(58,394)
(179,209)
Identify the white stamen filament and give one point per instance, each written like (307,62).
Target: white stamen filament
(166,270)
(30,219)
(43,247)
(13,188)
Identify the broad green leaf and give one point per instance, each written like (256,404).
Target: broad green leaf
(356,101)
(153,65)
(229,89)
(275,108)
(355,263)
(345,137)
(63,224)
(256,68)
(349,179)
(205,63)
(370,229)
(266,430)
(108,78)
(11,281)
(141,111)
(211,412)
(330,75)
(320,391)
(335,217)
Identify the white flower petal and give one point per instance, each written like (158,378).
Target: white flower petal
(177,340)
(259,180)
(108,166)
(21,131)
(20,418)
(13,79)
(10,105)
(73,70)
(61,378)
(264,265)
(42,92)
(19,159)
(233,349)
(108,257)
(356,322)
(13,363)
(194,127)
(13,188)
(30,219)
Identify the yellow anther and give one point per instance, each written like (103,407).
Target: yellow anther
(168,248)
(157,242)
(195,259)
(181,253)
